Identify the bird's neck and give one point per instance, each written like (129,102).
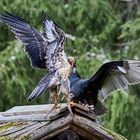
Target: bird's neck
(74,75)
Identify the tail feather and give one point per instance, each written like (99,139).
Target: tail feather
(100,109)
(43,86)
(37,92)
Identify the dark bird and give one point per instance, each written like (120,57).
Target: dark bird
(111,76)
(45,51)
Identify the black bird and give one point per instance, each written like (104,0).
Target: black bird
(110,76)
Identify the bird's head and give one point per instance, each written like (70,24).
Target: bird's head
(72,61)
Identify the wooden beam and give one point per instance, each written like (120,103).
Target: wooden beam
(84,133)
(21,117)
(91,128)
(31,109)
(52,129)
(26,131)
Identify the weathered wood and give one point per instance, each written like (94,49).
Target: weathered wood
(51,135)
(28,130)
(52,128)
(22,115)
(91,127)
(15,127)
(31,109)
(9,134)
(84,113)
(84,133)
(35,117)
(31,125)
(25,118)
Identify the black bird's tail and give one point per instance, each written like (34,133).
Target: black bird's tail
(100,109)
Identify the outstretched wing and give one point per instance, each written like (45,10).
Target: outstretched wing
(116,75)
(56,56)
(45,83)
(43,52)
(34,41)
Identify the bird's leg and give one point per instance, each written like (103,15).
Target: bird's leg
(54,107)
(70,97)
(65,87)
(56,104)
(60,90)
(69,106)
(69,103)
(54,99)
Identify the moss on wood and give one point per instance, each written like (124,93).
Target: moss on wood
(12,124)
(3,138)
(115,135)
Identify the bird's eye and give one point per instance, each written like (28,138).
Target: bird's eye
(71,63)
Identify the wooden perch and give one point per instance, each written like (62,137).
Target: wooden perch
(29,122)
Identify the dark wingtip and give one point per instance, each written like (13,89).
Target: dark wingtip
(8,15)
(42,14)
(29,99)
(44,17)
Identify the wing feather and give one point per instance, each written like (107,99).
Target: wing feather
(35,43)
(43,51)
(56,56)
(49,29)
(116,75)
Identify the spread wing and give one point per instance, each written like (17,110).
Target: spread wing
(116,75)
(43,52)
(33,40)
(45,83)
(56,56)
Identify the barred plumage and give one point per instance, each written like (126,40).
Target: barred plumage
(44,51)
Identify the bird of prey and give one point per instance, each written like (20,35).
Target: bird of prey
(45,51)
(111,76)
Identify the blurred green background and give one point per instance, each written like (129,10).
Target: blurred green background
(105,30)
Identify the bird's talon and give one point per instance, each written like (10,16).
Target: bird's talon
(57,106)
(91,107)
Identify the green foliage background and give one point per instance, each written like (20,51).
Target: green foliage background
(105,30)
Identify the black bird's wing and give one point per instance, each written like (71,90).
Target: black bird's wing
(115,75)
(33,40)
